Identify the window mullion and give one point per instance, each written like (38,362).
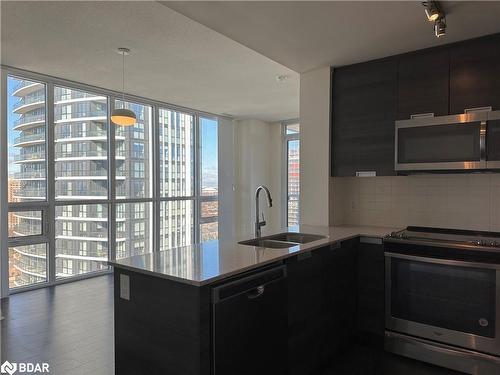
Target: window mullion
(4,248)
(197,180)
(50,185)
(111,182)
(156,179)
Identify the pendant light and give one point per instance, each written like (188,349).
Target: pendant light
(123,116)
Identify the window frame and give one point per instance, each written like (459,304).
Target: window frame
(284,160)
(49,205)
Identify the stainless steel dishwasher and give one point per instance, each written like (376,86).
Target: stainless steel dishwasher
(250,324)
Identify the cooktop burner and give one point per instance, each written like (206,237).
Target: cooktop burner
(456,236)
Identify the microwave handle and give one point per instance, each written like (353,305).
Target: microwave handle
(482,140)
(446,262)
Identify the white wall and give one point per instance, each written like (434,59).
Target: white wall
(257,153)
(315,147)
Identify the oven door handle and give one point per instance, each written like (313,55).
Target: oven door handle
(448,262)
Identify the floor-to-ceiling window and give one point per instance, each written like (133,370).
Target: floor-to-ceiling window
(291,133)
(209,202)
(83,190)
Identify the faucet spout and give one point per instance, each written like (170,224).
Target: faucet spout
(259,224)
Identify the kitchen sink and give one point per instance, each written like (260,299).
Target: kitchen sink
(259,242)
(295,237)
(282,240)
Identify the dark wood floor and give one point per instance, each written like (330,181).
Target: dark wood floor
(71,327)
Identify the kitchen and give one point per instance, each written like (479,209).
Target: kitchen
(394,266)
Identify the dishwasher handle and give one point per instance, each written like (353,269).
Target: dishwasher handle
(257,292)
(252,286)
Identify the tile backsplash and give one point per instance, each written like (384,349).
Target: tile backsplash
(468,201)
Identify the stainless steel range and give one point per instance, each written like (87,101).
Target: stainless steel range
(443,297)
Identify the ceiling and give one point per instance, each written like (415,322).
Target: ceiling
(174,59)
(304,35)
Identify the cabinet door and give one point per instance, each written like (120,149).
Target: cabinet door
(475,74)
(363,115)
(423,83)
(305,329)
(339,294)
(371,286)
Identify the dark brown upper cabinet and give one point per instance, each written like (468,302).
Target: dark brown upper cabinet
(475,74)
(423,83)
(363,114)
(367,99)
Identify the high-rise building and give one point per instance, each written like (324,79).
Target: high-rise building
(82,181)
(293,182)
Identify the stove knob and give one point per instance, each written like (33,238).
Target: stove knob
(494,244)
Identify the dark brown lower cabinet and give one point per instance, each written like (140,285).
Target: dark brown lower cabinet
(297,326)
(322,295)
(371,287)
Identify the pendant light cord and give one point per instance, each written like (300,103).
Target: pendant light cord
(123,78)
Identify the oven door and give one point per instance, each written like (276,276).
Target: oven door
(449,301)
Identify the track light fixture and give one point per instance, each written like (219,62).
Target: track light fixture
(434,13)
(440,27)
(432,10)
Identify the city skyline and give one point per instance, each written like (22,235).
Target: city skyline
(81,161)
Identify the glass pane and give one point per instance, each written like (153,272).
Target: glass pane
(80,132)
(176,224)
(441,143)
(209,220)
(134,229)
(209,179)
(292,129)
(27,265)
(293,182)
(81,239)
(133,154)
(176,154)
(25,223)
(465,300)
(209,157)
(26,126)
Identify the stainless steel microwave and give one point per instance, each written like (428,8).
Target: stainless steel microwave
(469,141)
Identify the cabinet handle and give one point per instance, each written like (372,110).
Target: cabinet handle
(478,109)
(422,115)
(257,292)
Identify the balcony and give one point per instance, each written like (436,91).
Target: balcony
(29,157)
(75,154)
(99,133)
(73,95)
(29,103)
(95,115)
(30,193)
(28,215)
(24,228)
(91,193)
(84,174)
(29,175)
(25,87)
(36,251)
(25,139)
(27,121)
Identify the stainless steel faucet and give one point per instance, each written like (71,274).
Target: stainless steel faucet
(258,223)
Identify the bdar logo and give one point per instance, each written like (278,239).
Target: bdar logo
(8,368)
